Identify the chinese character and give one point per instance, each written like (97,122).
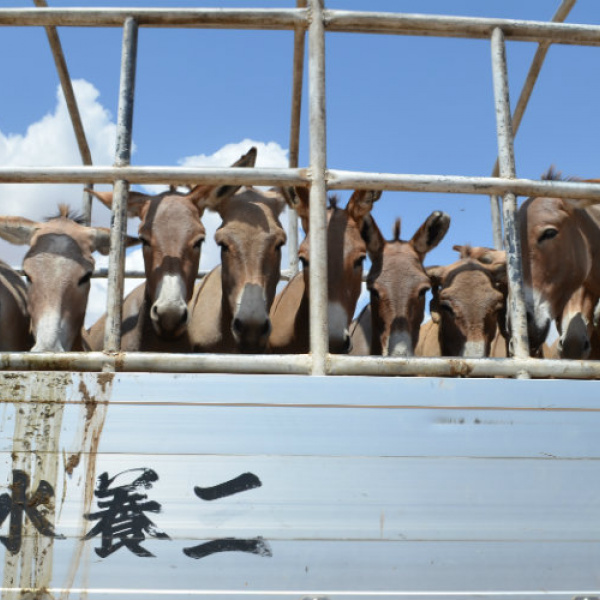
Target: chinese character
(247,481)
(21,503)
(123,518)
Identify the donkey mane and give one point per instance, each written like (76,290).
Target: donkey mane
(553,175)
(65,212)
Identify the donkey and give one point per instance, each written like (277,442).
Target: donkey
(230,307)
(560,239)
(351,235)
(15,324)
(389,325)
(155,314)
(58,268)
(467,309)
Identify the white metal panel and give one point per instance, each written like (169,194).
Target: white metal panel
(391,487)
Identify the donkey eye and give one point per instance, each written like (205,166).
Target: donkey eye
(304,261)
(198,244)
(145,242)
(358,263)
(27,278)
(224,247)
(85,279)
(423,291)
(548,234)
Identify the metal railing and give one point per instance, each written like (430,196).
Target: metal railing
(312,19)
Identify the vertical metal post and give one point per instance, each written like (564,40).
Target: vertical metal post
(116,265)
(534,70)
(299,36)
(516,297)
(319,338)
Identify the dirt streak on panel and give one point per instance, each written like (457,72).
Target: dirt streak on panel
(39,406)
(94,392)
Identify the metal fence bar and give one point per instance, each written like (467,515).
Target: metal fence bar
(464,367)
(335,179)
(67,87)
(319,338)
(300,364)
(447,184)
(516,297)
(460,27)
(116,265)
(335,20)
(202,18)
(297,81)
(534,70)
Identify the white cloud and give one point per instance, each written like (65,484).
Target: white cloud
(51,142)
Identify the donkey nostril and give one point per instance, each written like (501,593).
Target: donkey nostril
(184,316)
(237,326)
(154,311)
(266,327)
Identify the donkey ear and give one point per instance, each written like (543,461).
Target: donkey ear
(372,236)
(210,196)
(135,201)
(361,203)
(431,233)
(17,230)
(101,241)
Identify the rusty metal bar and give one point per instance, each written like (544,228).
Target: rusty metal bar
(300,364)
(116,265)
(67,88)
(534,70)
(297,81)
(319,329)
(516,297)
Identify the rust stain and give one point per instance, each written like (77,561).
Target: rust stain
(72,463)
(88,400)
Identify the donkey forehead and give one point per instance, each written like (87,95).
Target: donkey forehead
(59,247)
(170,213)
(343,232)
(470,285)
(540,211)
(401,265)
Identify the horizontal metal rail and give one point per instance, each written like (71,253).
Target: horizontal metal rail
(461,27)
(205,18)
(299,364)
(336,179)
(294,18)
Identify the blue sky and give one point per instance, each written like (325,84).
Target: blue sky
(394,104)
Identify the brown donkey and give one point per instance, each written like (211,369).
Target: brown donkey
(351,235)
(467,309)
(15,325)
(230,307)
(155,314)
(389,325)
(560,243)
(58,267)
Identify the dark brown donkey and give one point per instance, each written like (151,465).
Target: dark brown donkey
(15,325)
(230,307)
(389,325)
(58,267)
(155,314)
(351,235)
